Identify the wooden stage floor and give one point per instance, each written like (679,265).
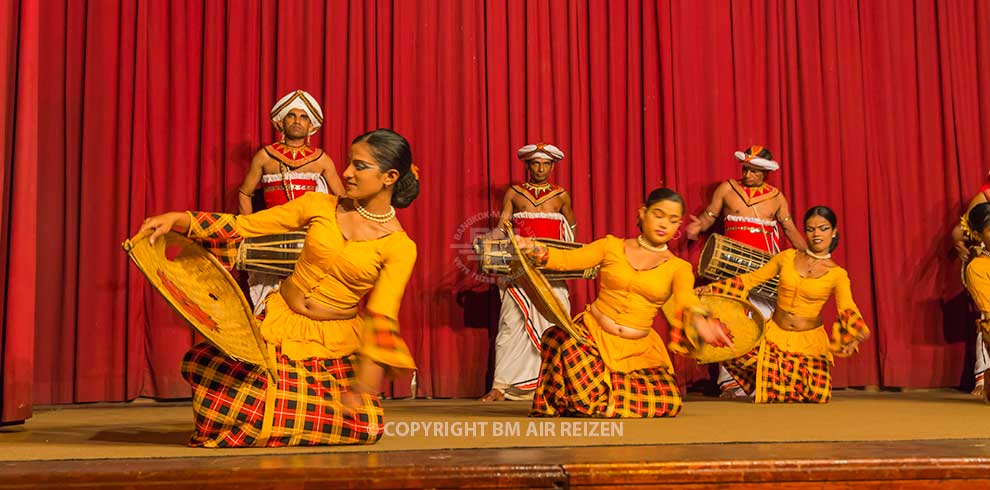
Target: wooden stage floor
(915,440)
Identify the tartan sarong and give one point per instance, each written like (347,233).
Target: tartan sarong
(229,402)
(782,377)
(575,382)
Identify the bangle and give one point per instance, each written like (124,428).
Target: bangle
(711,214)
(245,193)
(785,219)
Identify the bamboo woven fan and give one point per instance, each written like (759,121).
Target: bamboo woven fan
(746,326)
(196,286)
(539,291)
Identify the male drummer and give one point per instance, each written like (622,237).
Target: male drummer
(536,208)
(752,210)
(287,169)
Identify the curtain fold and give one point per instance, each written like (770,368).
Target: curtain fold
(19,130)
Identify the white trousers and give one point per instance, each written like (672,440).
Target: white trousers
(517,345)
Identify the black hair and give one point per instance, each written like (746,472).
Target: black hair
(979,217)
(663,194)
(392,151)
(829,215)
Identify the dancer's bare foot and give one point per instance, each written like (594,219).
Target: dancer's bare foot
(978,391)
(493,396)
(733,394)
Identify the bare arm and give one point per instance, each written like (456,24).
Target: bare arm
(787,223)
(958,239)
(330,175)
(251,181)
(567,211)
(506,215)
(701,224)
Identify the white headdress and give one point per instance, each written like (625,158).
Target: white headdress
(299,99)
(540,150)
(749,157)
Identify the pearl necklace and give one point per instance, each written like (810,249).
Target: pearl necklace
(984,252)
(819,257)
(646,245)
(377,218)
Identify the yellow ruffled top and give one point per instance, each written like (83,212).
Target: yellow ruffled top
(631,298)
(334,271)
(804,297)
(978,285)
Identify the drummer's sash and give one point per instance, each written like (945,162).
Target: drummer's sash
(542,225)
(758,233)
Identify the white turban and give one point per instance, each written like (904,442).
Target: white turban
(541,150)
(299,99)
(753,160)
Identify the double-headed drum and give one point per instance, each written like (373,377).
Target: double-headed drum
(271,254)
(496,256)
(724,258)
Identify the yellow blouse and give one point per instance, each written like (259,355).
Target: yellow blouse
(631,298)
(978,282)
(334,271)
(804,297)
(799,295)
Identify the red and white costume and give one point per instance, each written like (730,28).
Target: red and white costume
(292,180)
(756,232)
(520,326)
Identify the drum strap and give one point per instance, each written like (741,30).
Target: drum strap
(772,247)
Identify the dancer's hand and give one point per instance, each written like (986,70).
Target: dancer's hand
(693,229)
(846,350)
(164,223)
(367,379)
(962,250)
(712,331)
(353,398)
(525,244)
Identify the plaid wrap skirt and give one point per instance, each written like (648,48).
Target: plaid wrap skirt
(574,381)
(782,377)
(235,404)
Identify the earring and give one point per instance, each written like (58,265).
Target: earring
(283,136)
(307,139)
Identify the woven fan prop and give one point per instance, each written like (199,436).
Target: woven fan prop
(539,291)
(197,287)
(745,323)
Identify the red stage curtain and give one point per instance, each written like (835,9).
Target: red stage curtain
(879,109)
(18,204)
